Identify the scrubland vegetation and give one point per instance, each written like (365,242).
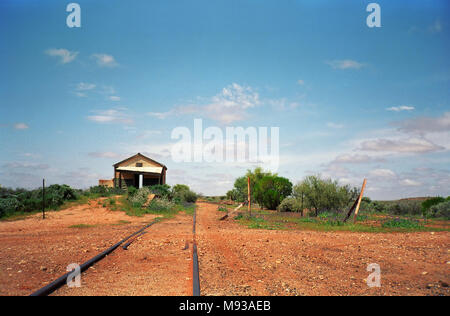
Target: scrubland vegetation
(322,204)
(16,202)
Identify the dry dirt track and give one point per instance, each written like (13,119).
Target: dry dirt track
(233,260)
(35,252)
(239,261)
(154,264)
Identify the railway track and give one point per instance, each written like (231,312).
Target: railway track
(125,243)
(56,284)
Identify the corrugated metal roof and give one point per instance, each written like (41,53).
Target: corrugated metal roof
(142,169)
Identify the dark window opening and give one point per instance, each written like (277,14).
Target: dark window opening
(139,164)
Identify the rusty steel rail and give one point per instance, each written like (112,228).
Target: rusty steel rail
(52,287)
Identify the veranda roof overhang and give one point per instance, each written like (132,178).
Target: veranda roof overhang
(157,170)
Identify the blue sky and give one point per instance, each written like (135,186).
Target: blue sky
(352,102)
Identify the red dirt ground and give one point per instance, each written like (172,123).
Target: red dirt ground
(239,261)
(233,259)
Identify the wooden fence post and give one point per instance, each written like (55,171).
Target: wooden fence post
(359,200)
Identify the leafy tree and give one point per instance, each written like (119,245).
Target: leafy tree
(427,204)
(290,204)
(440,210)
(182,193)
(240,189)
(162,190)
(271,190)
(232,195)
(324,194)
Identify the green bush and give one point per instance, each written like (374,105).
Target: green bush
(232,195)
(161,190)
(401,223)
(441,210)
(21,200)
(271,190)
(322,195)
(290,204)
(8,206)
(140,197)
(131,191)
(99,189)
(427,204)
(404,207)
(105,191)
(222,209)
(181,193)
(56,195)
(190,197)
(161,205)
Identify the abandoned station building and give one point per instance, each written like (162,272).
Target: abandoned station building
(137,171)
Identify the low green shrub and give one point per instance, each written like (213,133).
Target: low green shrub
(161,205)
(9,205)
(441,210)
(367,205)
(104,191)
(401,223)
(404,207)
(182,193)
(290,204)
(427,204)
(131,191)
(161,190)
(140,197)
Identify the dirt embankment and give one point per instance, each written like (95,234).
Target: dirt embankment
(239,261)
(35,252)
(233,259)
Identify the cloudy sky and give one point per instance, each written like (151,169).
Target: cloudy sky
(351,102)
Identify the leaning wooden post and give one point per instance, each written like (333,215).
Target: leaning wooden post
(43,198)
(359,200)
(249,197)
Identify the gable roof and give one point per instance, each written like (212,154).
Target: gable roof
(142,156)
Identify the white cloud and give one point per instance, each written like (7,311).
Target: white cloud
(104,60)
(148,134)
(300,82)
(410,145)
(106,154)
(424,125)
(21,126)
(401,108)
(345,64)
(25,165)
(355,158)
(382,173)
(161,115)
(111,116)
(230,105)
(282,104)
(410,183)
(334,125)
(83,86)
(65,55)
(114,98)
